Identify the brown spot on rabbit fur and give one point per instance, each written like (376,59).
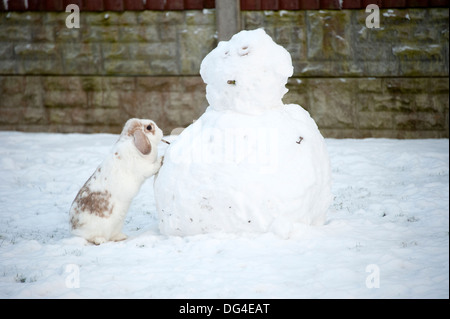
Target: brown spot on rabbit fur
(95,203)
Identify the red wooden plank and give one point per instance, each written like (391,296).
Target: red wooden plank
(394,3)
(113,5)
(35,5)
(92,5)
(53,5)
(174,5)
(290,4)
(154,5)
(365,3)
(329,4)
(16,5)
(134,5)
(351,4)
(193,4)
(417,3)
(269,4)
(250,5)
(79,3)
(438,3)
(209,4)
(309,4)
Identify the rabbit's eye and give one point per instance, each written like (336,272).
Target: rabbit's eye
(149,127)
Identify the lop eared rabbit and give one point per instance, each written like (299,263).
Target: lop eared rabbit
(99,209)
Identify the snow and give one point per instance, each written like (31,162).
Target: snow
(249,163)
(256,66)
(386,234)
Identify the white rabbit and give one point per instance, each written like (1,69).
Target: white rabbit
(99,209)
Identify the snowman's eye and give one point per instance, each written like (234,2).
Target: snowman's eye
(244,51)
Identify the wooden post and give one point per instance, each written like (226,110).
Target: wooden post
(228,18)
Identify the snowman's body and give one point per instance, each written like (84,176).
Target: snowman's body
(249,163)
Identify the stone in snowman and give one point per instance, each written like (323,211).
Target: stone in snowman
(249,163)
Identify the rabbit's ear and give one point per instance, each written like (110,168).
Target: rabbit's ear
(142,143)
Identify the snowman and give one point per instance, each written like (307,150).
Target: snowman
(250,163)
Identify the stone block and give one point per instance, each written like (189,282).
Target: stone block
(8,67)
(370,85)
(148,17)
(64,83)
(193,84)
(438,85)
(36,50)
(63,34)
(419,52)
(407,85)
(103,99)
(11,85)
(119,83)
(101,116)
(200,17)
(425,102)
(42,33)
(328,35)
(171,17)
(253,19)
(60,116)
(167,33)
(162,66)
(101,18)
(55,18)
(128,18)
(72,51)
(386,103)
(123,67)
(65,99)
(23,18)
(12,101)
(331,102)
(115,51)
(96,33)
(195,42)
(280,18)
(144,105)
(158,84)
(91,84)
(149,33)
(11,115)
(419,121)
(85,65)
(35,115)
(438,15)
(439,103)
(16,33)
(153,51)
(183,108)
(131,33)
(41,66)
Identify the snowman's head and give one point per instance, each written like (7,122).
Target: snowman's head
(247,74)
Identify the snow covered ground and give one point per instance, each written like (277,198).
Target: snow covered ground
(386,236)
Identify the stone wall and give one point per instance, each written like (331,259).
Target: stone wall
(355,81)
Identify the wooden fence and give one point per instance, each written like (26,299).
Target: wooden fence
(138,5)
